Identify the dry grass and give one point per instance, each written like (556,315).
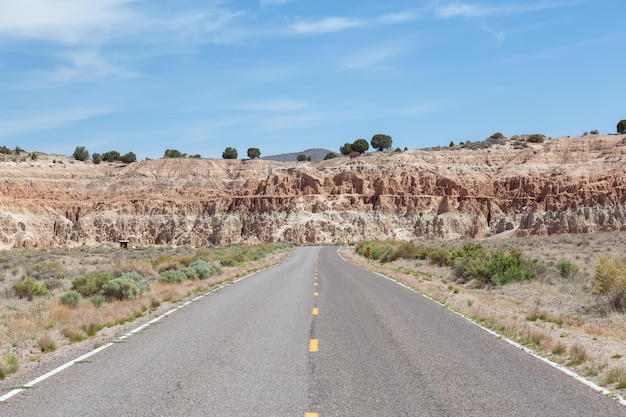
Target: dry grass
(557,317)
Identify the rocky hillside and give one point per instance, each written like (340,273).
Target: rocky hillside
(567,185)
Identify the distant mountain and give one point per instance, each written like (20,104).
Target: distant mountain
(316,154)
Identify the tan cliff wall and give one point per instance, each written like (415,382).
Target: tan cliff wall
(568,185)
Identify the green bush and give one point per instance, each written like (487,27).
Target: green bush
(441,256)
(28,287)
(43,270)
(494,267)
(173,276)
(128,286)
(71,299)
(12,363)
(92,284)
(191,274)
(610,281)
(205,269)
(97,300)
(404,250)
(81,153)
(378,249)
(232,260)
(504,268)
(567,269)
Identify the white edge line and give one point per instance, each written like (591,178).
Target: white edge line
(123,337)
(619,398)
(127,335)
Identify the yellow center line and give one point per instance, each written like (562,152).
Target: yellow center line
(315,284)
(311,415)
(315,294)
(316,311)
(313,345)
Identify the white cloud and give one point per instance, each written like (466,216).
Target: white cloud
(459,9)
(406,16)
(372,58)
(329,24)
(497,35)
(85,64)
(65,21)
(272,2)
(49,120)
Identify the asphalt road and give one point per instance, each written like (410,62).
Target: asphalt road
(315,336)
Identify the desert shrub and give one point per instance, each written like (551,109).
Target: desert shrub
(615,376)
(28,287)
(128,286)
(536,138)
(91,284)
(567,269)
(191,273)
(11,363)
(91,329)
(42,270)
(471,263)
(98,300)
(404,250)
(173,276)
(71,299)
(232,260)
(378,249)
(503,268)
(205,269)
(166,262)
(46,343)
(610,281)
(441,256)
(81,153)
(495,267)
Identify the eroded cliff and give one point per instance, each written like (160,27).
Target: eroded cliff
(568,185)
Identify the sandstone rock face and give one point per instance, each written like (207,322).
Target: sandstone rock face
(568,185)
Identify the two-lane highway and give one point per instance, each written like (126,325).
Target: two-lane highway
(315,336)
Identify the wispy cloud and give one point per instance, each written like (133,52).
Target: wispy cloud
(81,65)
(49,120)
(329,24)
(64,21)
(497,35)
(563,49)
(459,9)
(401,17)
(372,58)
(96,22)
(273,2)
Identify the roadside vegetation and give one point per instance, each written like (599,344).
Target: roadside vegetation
(58,296)
(562,296)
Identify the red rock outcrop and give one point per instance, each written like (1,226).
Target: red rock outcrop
(568,185)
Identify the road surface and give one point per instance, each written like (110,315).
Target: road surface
(314,336)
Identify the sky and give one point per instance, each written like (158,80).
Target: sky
(284,76)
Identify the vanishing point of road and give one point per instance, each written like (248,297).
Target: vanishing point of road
(312,337)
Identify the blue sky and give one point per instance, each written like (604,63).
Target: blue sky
(288,75)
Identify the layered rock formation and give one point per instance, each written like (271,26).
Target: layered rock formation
(568,185)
